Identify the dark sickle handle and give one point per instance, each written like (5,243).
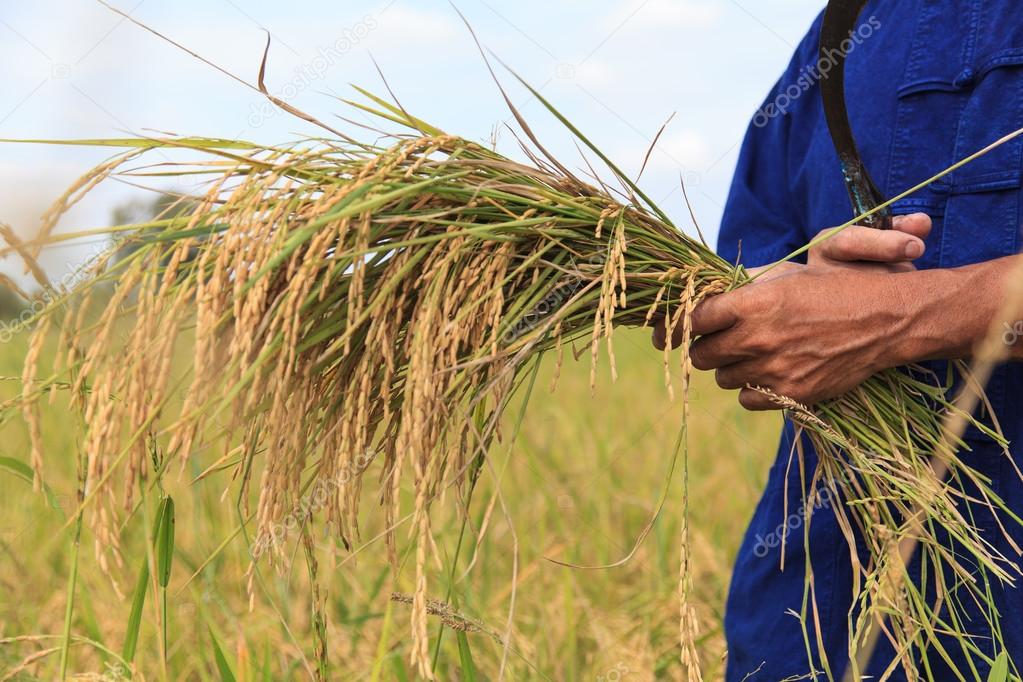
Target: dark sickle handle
(839,23)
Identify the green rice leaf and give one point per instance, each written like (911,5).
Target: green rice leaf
(1000,669)
(25,473)
(465,657)
(138,600)
(164,540)
(223,668)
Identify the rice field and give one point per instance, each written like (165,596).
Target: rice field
(234,377)
(581,485)
(274,404)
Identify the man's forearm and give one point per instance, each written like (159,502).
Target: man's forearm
(951,311)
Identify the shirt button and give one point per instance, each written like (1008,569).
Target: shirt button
(965,78)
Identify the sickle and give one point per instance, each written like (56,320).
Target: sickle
(840,19)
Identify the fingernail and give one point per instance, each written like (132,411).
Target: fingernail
(914,250)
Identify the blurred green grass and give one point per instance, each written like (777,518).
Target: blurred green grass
(579,485)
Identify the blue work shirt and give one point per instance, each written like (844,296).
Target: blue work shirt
(928,83)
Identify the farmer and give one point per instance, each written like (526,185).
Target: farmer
(929,82)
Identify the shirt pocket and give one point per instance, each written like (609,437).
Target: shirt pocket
(982,210)
(954,113)
(951,106)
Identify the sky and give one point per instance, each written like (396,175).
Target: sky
(618,69)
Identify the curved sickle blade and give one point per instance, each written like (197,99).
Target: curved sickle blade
(839,22)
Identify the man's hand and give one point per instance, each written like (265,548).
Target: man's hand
(888,250)
(858,247)
(811,332)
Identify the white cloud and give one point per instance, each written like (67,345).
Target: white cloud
(687,148)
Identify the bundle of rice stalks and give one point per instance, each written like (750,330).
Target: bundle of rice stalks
(354,306)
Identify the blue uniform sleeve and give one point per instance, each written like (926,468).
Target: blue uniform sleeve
(762,222)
